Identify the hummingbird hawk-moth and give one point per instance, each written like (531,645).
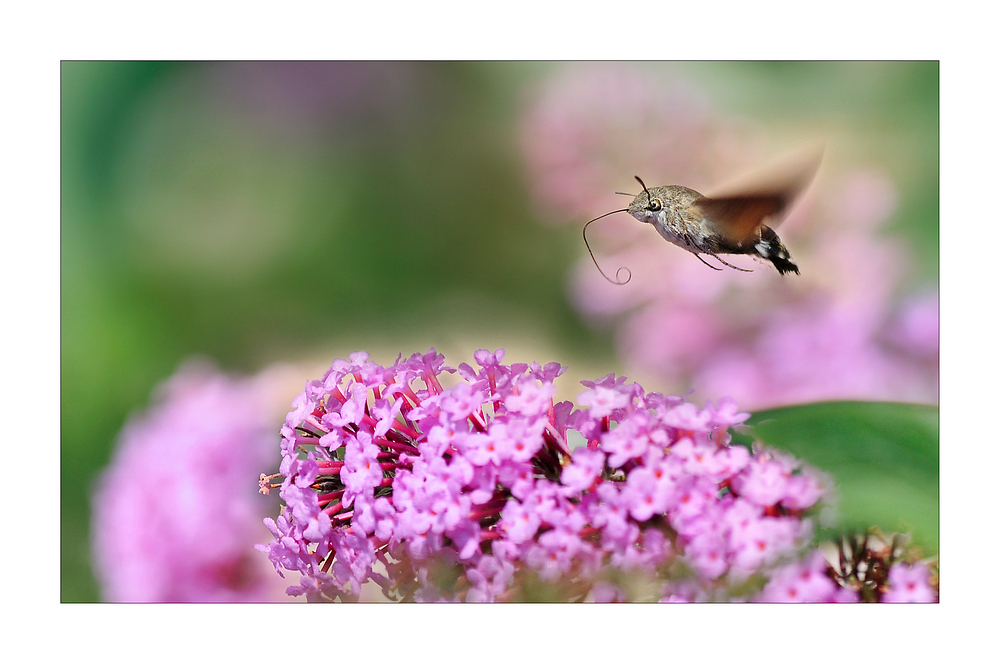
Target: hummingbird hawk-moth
(725,223)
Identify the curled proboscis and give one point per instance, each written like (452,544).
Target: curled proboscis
(617,280)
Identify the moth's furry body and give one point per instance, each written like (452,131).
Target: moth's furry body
(675,213)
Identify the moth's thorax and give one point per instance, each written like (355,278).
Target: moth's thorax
(675,220)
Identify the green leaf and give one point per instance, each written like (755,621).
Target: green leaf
(883,457)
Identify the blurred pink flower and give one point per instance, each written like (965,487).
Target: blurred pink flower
(910,583)
(836,332)
(915,328)
(594,122)
(177,512)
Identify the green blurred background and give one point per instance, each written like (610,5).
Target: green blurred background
(264,212)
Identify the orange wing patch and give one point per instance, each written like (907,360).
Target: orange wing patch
(738,218)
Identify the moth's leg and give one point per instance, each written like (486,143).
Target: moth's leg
(718,258)
(717,269)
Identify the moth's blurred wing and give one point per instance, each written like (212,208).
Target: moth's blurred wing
(737,218)
(761,197)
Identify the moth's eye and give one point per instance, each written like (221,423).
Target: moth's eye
(655,205)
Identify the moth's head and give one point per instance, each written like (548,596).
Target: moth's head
(646,208)
(648,205)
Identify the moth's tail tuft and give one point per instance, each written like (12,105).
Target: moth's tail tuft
(784,265)
(770,247)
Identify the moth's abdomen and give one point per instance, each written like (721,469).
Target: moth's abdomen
(770,248)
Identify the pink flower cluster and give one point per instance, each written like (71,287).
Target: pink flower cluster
(473,493)
(838,331)
(176,513)
(909,583)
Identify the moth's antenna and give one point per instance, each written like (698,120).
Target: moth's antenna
(643,186)
(622,193)
(627,271)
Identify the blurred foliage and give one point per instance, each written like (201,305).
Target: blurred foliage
(883,458)
(257,212)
